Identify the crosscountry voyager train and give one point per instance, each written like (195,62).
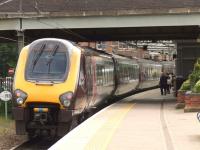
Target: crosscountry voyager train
(57,81)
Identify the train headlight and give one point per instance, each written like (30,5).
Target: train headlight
(20,96)
(66,98)
(20,101)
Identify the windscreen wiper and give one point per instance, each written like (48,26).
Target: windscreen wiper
(37,56)
(52,54)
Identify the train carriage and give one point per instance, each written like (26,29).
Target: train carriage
(99,75)
(150,72)
(127,75)
(168,66)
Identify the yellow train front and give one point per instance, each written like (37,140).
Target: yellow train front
(45,85)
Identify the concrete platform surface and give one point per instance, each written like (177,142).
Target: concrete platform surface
(146,121)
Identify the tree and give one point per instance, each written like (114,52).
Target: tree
(8,57)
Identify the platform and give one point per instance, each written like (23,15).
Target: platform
(146,121)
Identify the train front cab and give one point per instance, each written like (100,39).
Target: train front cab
(45,87)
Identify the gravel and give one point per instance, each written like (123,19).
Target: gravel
(8,137)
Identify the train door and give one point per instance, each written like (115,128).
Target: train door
(81,99)
(90,79)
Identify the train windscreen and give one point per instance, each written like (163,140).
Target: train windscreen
(47,61)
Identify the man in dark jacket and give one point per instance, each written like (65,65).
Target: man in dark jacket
(163,84)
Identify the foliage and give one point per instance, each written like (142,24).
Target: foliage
(8,55)
(186,85)
(196,88)
(197,65)
(193,78)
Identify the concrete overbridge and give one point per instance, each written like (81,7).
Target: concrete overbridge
(92,20)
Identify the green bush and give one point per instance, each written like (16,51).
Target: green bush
(193,82)
(197,67)
(196,88)
(194,77)
(186,86)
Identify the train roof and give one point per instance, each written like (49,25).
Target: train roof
(90,49)
(168,63)
(124,58)
(148,61)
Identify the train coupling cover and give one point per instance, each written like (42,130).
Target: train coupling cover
(40,114)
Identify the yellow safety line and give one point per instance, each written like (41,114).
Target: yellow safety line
(103,136)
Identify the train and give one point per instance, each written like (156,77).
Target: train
(57,81)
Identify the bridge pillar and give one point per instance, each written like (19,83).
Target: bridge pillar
(187,53)
(20,40)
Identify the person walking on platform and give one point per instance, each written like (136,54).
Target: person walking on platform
(163,84)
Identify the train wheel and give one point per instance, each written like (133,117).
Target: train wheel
(31,134)
(20,127)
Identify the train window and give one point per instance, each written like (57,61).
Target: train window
(106,72)
(103,75)
(111,75)
(123,72)
(134,71)
(57,66)
(99,75)
(128,72)
(46,69)
(47,61)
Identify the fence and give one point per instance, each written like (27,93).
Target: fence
(6,84)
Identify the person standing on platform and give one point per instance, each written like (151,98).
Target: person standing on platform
(163,84)
(169,82)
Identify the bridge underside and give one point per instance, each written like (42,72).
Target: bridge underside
(106,34)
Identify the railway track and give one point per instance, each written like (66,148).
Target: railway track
(36,144)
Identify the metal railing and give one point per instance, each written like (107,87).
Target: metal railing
(6,84)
